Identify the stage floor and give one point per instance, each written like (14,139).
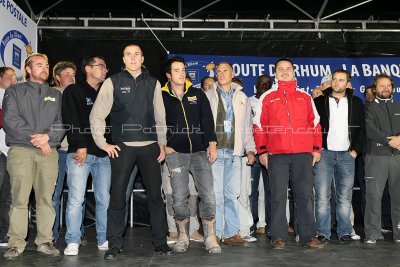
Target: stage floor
(138,251)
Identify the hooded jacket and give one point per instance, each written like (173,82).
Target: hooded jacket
(289,121)
(356,120)
(189,120)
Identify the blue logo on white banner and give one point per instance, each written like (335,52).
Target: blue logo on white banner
(13,43)
(308,71)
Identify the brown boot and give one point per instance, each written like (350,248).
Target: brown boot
(183,237)
(235,240)
(210,240)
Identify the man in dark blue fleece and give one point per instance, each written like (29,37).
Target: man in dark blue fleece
(190,140)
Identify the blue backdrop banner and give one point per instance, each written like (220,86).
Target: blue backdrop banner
(308,71)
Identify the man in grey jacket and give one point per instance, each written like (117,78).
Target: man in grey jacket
(382,161)
(32,122)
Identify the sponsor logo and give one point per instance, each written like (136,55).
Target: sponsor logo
(192,99)
(126,90)
(49,98)
(89,101)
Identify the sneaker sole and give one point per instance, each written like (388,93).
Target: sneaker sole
(73,253)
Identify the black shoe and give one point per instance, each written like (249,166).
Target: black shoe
(112,254)
(164,249)
(84,240)
(346,238)
(322,238)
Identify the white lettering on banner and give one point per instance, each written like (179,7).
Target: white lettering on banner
(314,70)
(375,69)
(354,71)
(248,69)
(16,13)
(305,70)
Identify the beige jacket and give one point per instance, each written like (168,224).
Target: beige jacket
(244,141)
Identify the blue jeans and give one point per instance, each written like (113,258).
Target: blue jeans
(227,171)
(338,165)
(256,169)
(62,167)
(77,176)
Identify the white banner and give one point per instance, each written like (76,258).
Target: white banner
(18,36)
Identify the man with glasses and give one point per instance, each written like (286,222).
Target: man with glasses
(134,102)
(84,156)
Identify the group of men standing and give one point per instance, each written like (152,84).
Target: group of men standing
(205,134)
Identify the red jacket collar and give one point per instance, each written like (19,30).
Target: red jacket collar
(287,86)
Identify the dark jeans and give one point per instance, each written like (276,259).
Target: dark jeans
(145,158)
(300,170)
(256,170)
(62,167)
(129,190)
(5,196)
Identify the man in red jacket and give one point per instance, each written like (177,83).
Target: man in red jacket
(288,140)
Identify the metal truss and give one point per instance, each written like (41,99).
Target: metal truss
(209,25)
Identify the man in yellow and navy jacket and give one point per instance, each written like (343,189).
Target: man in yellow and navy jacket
(191,140)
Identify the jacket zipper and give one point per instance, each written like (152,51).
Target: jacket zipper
(390,121)
(187,125)
(287,110)
(37,110)
(350,112)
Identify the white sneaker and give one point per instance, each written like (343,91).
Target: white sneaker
(72,249)
(370,241)
(103,246)
(355,237)
(249,238)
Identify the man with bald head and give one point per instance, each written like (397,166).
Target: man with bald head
(232,118)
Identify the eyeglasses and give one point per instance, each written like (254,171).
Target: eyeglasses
(100,65)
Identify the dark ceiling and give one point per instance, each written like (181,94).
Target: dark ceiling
(244,9)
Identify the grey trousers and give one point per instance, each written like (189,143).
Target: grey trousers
(179,165)
(378,170)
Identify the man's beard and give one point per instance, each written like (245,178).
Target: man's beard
(384,95)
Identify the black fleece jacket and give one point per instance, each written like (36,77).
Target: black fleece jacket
(382,120)
(356,119)
(77,102)
(189,121)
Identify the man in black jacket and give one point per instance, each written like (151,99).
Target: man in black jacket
(342,122)
(190,140)
(382,160)
(84,157)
